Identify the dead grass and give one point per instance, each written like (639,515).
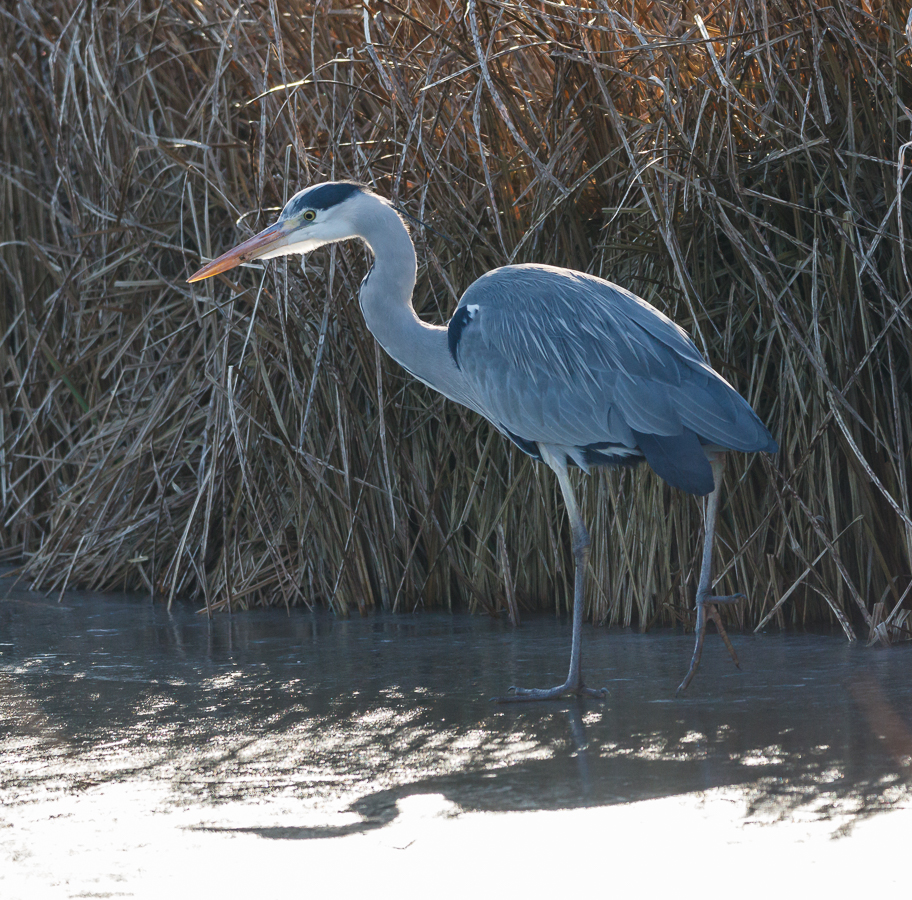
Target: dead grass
(741,165)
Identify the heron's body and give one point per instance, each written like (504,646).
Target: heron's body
(565,359)
(573,369)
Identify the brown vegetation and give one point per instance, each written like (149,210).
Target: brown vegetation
(740,165)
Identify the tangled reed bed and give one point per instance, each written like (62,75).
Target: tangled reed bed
(742,166)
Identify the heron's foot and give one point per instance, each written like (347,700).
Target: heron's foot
(708,607)
(567,689)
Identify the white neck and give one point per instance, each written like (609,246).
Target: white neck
(386,301)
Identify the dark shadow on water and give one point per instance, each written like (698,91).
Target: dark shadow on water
(354,716)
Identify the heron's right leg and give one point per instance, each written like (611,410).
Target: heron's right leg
(574,683)
(706,603)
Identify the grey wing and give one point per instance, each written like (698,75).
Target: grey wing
(572,361)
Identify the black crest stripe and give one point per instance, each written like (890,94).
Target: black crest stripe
(323,196)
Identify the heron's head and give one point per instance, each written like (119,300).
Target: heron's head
(315,216)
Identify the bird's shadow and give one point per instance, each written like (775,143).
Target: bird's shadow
(773,778)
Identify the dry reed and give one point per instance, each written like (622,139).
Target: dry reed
(740,165)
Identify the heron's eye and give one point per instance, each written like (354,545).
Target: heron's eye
(309,215)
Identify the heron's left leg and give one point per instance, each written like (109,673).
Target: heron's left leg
(707,604)
(574,683)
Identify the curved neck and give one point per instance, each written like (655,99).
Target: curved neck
(386,302)
(386,292)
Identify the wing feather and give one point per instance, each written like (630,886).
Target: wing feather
(564,358)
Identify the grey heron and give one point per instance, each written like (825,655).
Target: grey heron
(573,369)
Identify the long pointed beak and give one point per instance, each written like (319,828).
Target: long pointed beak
(271,238)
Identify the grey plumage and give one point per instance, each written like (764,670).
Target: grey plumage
(573,369)
(573,361)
